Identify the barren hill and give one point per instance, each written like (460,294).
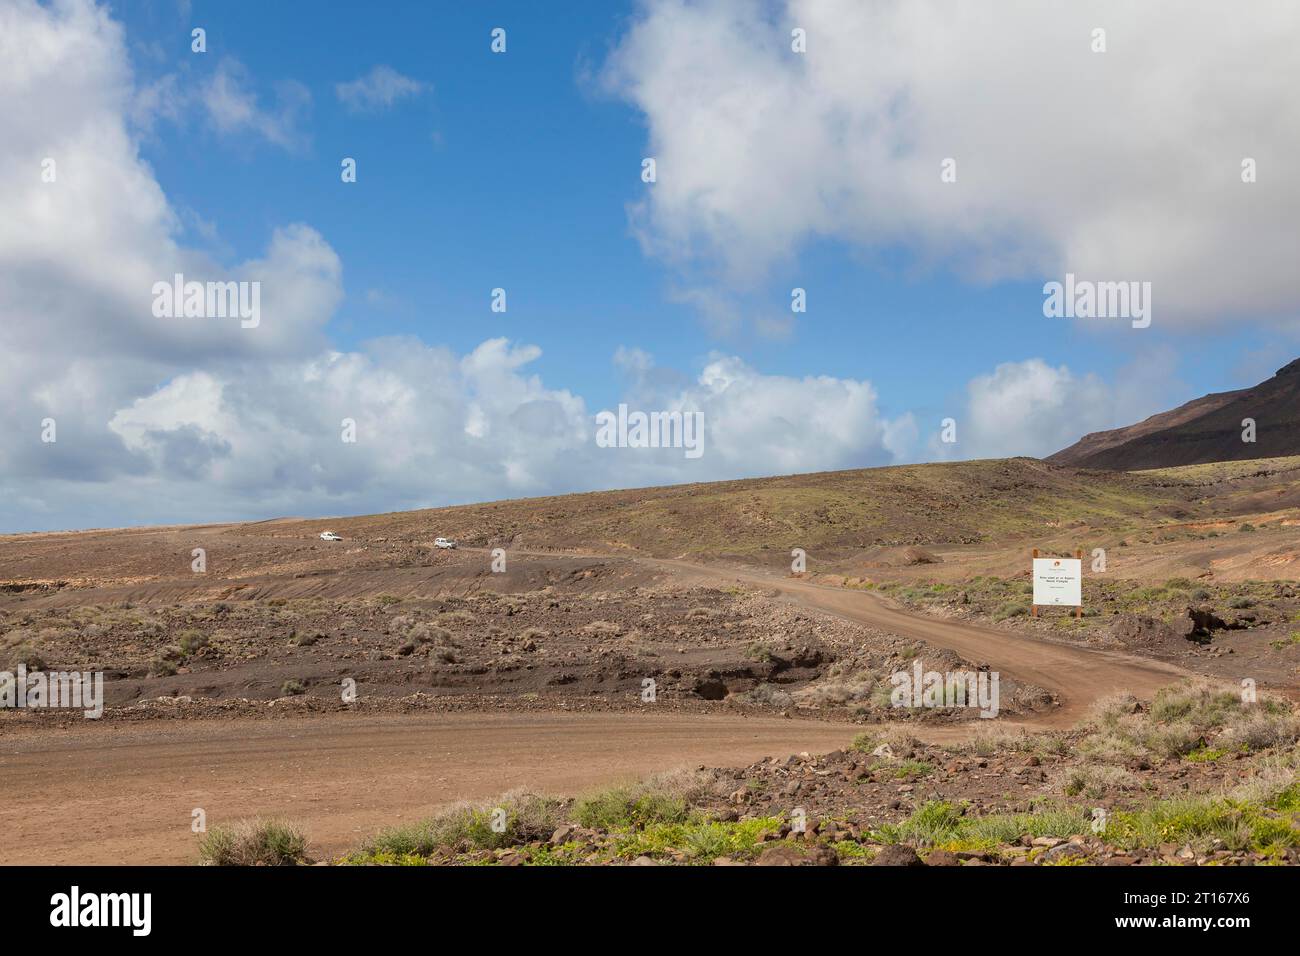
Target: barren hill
(1208,429)
(834,512)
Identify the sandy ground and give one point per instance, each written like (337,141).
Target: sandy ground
(125,793)
(1077,675)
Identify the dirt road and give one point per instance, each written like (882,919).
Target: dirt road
(1077,675)
(125,792)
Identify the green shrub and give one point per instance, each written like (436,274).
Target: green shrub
(865,743)
(702,840)
(629,807)
(1185,719)
(1011,609)
(1095,782)
(254,843)
(525,817)
(191,642)
(162,667)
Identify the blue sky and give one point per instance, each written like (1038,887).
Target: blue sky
(522,170)
(516,171)
(512,171)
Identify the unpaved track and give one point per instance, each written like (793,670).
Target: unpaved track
(124,792)
(1077,675)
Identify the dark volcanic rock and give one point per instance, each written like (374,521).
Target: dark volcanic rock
(1204,621)
(1138,630)
(897,854)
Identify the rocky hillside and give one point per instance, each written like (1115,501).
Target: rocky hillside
(1208,429)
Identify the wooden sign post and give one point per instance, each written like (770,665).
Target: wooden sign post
(1078,608)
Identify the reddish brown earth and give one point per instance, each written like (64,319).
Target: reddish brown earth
(125,793)
(535,682)
(125,790)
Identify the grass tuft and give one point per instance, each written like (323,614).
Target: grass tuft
(254,843)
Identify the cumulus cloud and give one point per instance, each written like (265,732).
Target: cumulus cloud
(1033,408)
(760,424)
(377,90)
(163,419)
(1030,407)
(433,427)
(1117,165)
(86,234)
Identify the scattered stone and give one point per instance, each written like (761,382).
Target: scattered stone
(942,858)
(896,854)
(788,854)
(1061,852)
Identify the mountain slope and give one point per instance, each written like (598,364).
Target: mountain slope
(832,512)
(1205,430)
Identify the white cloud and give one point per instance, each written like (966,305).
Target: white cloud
(377,90)
(1032,408)
(1115,165)
(197,419)
(234,108)
(433,427)
(189,420)
(79,257)
(759,424)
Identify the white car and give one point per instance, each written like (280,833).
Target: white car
(444,543)
(329,536)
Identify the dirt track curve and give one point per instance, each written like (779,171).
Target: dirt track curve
(1077,675)
(124,792)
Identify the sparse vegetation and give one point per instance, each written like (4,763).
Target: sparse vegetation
(28,657)
(162,666)
(662,799)
(192,642)
(699,840)
(1183,720)
(512,819)
(254,843)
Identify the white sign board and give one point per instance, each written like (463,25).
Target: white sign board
(1058,581)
